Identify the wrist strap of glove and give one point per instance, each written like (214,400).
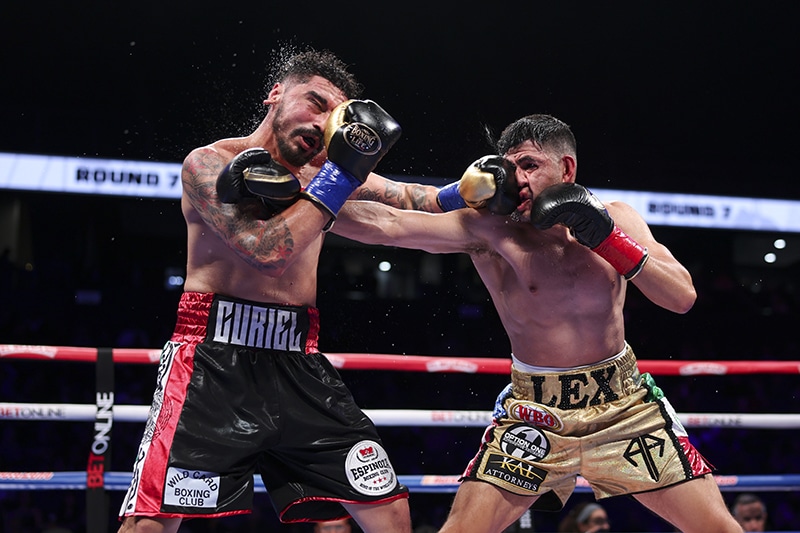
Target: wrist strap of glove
(623,253)
(449,199)
(330,188)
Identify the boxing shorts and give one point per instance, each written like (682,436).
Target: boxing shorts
(241,389)
(605,422)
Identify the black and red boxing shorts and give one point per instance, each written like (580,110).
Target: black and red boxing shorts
(242,389)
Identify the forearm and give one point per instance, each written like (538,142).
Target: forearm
(267,243)
(618,234)
(368,222)
(271,245)
(487,183)
(375,223)
(401,195)
(665,282)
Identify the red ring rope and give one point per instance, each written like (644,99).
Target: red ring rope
(413,363)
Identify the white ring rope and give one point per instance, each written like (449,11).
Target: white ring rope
(389,417)
(420,483)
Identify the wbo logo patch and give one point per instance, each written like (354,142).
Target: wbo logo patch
(534,414)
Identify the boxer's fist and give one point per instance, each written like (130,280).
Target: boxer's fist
(489,182)
(254,174)
(575,207)
(357,135)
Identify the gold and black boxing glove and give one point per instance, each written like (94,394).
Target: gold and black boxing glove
(357,136)
(254,174)
(490,182)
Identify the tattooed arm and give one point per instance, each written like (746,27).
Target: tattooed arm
(398,194)
(269,244)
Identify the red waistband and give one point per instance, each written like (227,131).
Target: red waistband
(197,315)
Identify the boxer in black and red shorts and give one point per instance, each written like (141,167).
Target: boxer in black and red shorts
(242,387)
(241,390)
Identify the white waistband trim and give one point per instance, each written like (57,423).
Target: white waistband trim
(531,369)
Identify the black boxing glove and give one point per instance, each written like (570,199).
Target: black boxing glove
(254,174)
(489,182)
(357,136)
(575,207)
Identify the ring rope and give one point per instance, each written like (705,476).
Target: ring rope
(392,362)
(425,483)
(389,417)
(412,363)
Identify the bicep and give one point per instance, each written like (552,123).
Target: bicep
(199,179)
(632,223)
(236,223)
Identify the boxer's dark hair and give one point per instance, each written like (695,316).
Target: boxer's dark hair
(543,130)
(303,65)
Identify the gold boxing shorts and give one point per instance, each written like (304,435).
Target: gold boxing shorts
(606,422)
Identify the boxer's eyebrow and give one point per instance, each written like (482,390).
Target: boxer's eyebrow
(321,100)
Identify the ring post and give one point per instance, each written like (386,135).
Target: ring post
(100,452)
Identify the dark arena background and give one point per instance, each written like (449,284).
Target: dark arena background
(664,99)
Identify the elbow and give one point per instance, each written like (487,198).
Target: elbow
(686,302)
(269,259)
(272,265)
(684,294)
(272,271)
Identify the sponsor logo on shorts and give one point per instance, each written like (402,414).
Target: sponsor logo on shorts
(257,327)
(524,442)
(534,414)
(641,453)
(369,470)
(191,488)
(514,472)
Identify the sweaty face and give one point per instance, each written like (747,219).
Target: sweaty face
(537,169)
(299,117)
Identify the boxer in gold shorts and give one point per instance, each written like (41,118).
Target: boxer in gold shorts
(558,269)
(606,422)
